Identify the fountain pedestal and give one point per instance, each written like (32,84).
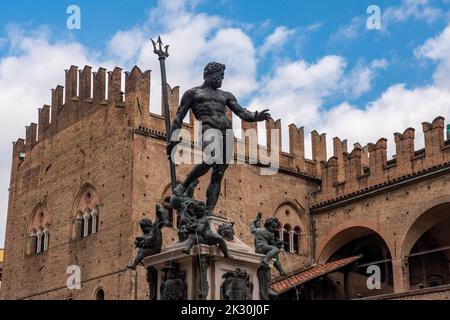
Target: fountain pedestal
(205,274)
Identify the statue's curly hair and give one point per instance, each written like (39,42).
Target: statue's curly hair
(272,220)
(212,68)
(145,222)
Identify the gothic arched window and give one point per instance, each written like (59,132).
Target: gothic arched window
(100,294)
(291,217)
(39,231)
(87,217)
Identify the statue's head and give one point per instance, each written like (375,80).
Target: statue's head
(272,224)
(146,225)
(226,230)
(199,208)
(213,74)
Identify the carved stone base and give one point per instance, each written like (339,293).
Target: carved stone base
(264,279)
(206,269)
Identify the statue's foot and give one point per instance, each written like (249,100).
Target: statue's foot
(179,190)
(264,261)
(282,273)
(186,251)
(228,256)
(131,266)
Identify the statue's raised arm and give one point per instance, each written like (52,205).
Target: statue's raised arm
(256,224)
(245,114)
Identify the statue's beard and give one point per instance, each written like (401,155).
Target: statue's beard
(214,81)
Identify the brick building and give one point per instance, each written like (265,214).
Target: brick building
(1,266)
(95,164)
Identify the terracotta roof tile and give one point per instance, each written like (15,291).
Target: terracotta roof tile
(295,280)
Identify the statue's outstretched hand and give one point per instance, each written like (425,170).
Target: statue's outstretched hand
(263,115)
(259,216)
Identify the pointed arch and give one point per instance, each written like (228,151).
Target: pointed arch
(426,248)
(38,230)
(40,216)
(98,292)
(80,198)
(292,217)
(85,212)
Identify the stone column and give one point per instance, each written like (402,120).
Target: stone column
(46,238)
(77,225)
(280,232)
(94,214)
(39,236)
(86,218)
(291,241)
(31,248)
(400,273)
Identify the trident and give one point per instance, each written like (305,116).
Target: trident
(163,53)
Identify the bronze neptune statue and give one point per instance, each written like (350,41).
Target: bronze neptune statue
(208,104)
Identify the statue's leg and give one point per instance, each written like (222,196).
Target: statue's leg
(213,191)
(271,252)
(138,259)
(279,267)
(189,245)
(214,239)
(198,171)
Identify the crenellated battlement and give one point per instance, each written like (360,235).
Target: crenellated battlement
(346,172)
(366,168)
(83,94)
(87,91)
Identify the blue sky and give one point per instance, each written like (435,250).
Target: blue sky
(313,63)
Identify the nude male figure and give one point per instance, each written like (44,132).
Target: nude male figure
(208,104)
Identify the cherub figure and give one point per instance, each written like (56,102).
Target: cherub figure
(265,241)
(150,242)
(226,231)
(199,231)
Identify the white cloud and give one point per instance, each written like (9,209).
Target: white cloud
(199,39)
(296,91)
(412,9)
(125,46)
(349,31)
(397,109)
(421,10)
(359,80)
(298,88)
(276,40)
(438,50)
